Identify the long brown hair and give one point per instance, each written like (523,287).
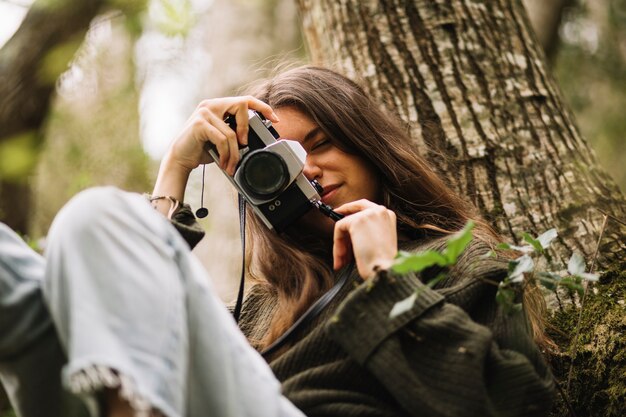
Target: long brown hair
(296,266)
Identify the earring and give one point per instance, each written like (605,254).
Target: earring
(202,212)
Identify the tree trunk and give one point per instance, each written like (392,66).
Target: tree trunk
(30,64)
(469,79)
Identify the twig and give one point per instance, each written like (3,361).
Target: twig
(582,305)
(595,255)
(566,400)
(612,217)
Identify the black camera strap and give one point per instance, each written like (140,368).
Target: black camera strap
(309,315)
(242,235)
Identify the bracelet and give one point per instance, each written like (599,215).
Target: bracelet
(174,203)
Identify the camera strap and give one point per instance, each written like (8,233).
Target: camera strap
(242,235)
(312,312)
(309,315)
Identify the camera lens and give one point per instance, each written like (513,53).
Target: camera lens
(264,173)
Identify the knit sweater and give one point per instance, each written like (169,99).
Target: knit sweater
(456,352)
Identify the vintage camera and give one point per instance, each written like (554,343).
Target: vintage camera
(269,174)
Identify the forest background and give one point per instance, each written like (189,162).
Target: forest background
(142,69)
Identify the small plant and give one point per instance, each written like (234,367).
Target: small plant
(417,262)
(521,270)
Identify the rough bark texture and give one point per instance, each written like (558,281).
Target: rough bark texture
(29,66)
(470,80)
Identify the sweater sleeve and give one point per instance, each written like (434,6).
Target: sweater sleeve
(455,352)
(185,222)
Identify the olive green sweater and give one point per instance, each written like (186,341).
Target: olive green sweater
(455,353)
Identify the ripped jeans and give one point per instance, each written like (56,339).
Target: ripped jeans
(119,301)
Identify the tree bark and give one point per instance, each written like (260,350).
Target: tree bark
(469,79)
(30,64)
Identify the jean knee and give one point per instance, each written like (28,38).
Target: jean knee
(91,212)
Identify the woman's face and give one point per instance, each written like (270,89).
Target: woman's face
(344,177)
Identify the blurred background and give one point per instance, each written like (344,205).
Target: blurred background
(144,65)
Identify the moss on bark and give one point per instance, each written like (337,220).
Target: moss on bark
(598,382)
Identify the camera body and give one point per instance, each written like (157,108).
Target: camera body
(269,174)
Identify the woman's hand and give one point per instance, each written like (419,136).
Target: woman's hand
(367,234)
(206,124)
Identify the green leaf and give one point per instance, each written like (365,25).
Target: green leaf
(507,246)
(533,242)
(417,262)
(18,155)
(547,237)
(574,284)
(458,242)
(403,306)
(505,297)
(434,281)
(576,264)
(57,60)
(549,280)
(523,264)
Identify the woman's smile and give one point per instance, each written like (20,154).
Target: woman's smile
(329,192)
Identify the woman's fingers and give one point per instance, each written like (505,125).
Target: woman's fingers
(342,248)
(219,139)
(231,148)
(240,110)
(367,233)
(207,124)
(241,117)
(355,207)
(267,111)
(216,110)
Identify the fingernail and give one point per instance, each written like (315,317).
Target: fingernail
(275,117)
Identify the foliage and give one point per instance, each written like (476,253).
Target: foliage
(17,157)
(56,60)
(417,262)
(521,270)
(173,17)
(591,70)
(91,134)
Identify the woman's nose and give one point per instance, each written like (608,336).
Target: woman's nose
(311,170)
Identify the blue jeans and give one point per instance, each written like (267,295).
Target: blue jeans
(120,302)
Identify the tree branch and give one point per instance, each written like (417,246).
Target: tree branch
(30,63)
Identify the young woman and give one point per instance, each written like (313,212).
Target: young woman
(140,328)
